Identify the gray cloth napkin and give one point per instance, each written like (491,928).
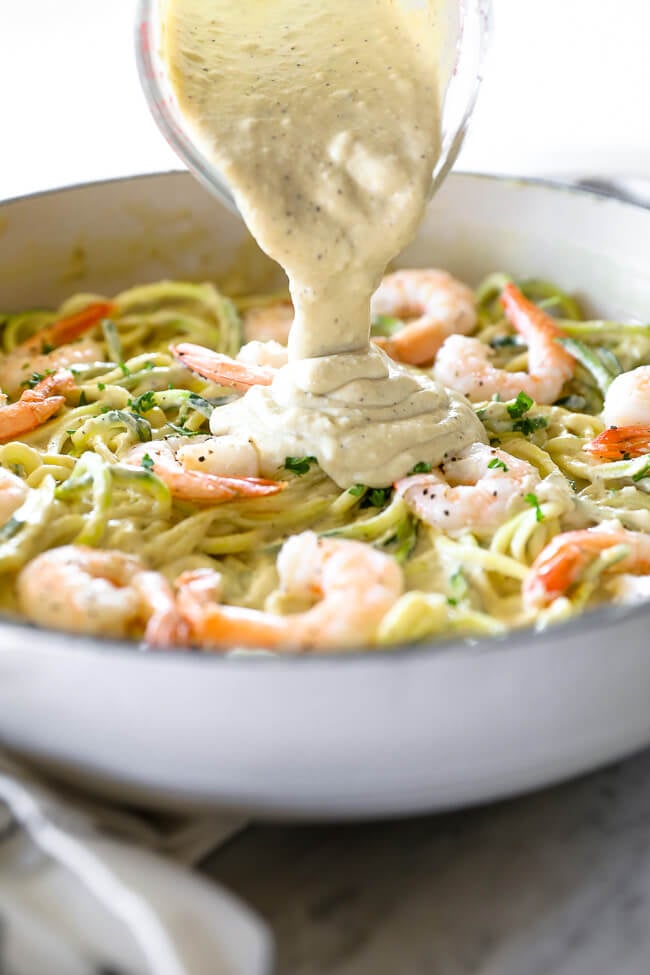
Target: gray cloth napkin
(92,889)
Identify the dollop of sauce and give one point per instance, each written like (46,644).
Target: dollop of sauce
(324,120)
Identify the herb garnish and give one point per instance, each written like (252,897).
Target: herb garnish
(529,424)
(147,463)
(533,501)
(496,464)
(520,406)
(143,403)
(377,497)
(299,465)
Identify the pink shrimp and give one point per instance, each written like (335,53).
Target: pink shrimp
(463,364)
(35,406)
(566,557)
(437,304)
(353,584)
(33,355)
(477,490)
(192,485)
(101,592)
(222,369)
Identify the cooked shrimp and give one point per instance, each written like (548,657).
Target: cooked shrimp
(272,322)
(190,485)
(13,492)
(627,401)
(463,364)
(101,592)
(439,305)
(48,349)
(35,406)
(566,557)
(268,353)
(221,368)
(627,412)
(620,443)
(477,490)
(354,586)
(228,455)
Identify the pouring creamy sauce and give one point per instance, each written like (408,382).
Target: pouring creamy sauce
(323,118)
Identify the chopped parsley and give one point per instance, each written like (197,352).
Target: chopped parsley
(529,424)
(46,348)
(533,501)
(101,387)
(377,497)
(357,490)
(147,463)
(520,406)
(124,369)
(82,399)
(503,341)
(299,465)
(34,379)
(143,403)
(422,468)
(496,464)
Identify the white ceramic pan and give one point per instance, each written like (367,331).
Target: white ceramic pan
(340,736)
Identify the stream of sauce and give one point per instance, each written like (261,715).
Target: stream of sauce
(323,116)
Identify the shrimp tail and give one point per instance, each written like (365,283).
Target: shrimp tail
(193,486)
(220,368)
(620,443)
(528,318)
(27,415)
(36,406)
(72,326)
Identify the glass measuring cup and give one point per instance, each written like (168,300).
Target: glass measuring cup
(472,20)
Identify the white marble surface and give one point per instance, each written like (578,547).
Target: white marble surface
(556,883)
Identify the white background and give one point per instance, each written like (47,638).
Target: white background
(567,90)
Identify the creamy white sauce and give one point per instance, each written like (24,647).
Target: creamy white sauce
(323,118)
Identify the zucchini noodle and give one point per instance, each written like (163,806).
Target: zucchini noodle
(80,491)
